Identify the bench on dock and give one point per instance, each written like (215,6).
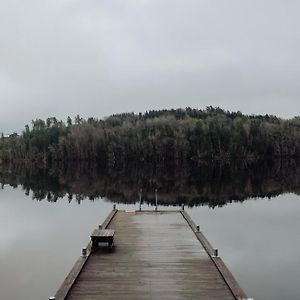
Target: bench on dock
(102,236)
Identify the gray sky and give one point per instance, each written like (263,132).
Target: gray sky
(98,57)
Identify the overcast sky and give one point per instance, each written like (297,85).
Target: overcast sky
(98,57)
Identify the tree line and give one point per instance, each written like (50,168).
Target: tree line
(174,136)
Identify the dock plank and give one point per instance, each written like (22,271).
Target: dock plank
(156,256)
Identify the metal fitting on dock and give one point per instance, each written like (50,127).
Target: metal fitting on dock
(84,252)
(216,252)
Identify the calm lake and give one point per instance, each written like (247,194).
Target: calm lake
(249,212)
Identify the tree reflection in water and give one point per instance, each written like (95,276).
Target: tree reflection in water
(209,183)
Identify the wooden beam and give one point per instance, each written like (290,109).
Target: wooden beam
(74,273)
(233,285)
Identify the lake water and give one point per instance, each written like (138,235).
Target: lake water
(41,235)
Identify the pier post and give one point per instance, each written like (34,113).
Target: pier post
(140,208)
(155,199)
(216,252)
(198,228)
(84,252)
(182,207)
(114,207)
(100,226)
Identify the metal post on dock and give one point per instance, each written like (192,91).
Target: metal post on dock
(216,252)
(155,199)
(140,208)
(114,207)
(182,207)
(84,252)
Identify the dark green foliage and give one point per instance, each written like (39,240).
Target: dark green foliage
(159,137)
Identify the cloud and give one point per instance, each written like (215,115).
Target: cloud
(101,57)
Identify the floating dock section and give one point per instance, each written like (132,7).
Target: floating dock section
(156,255)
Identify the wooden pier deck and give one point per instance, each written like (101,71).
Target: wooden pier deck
(156,255)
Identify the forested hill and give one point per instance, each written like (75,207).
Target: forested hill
(163,136)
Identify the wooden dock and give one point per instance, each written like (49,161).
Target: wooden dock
(156,255)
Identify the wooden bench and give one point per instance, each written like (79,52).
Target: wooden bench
(102,236)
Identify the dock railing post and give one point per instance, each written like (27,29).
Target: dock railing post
(155,199)
(140,207)
(84,252)
(216,252)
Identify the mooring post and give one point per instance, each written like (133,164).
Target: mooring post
(182,207)
(140,208)
(216,252)
(198,228)
(114,207)
(156,199)
(84,252)
(100,226)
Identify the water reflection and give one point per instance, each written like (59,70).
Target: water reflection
(257,233)
(209,183)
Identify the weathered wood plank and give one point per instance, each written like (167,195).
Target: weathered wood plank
(224,271)
(66,286)
(103,232)
(156,256)
(229,279)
